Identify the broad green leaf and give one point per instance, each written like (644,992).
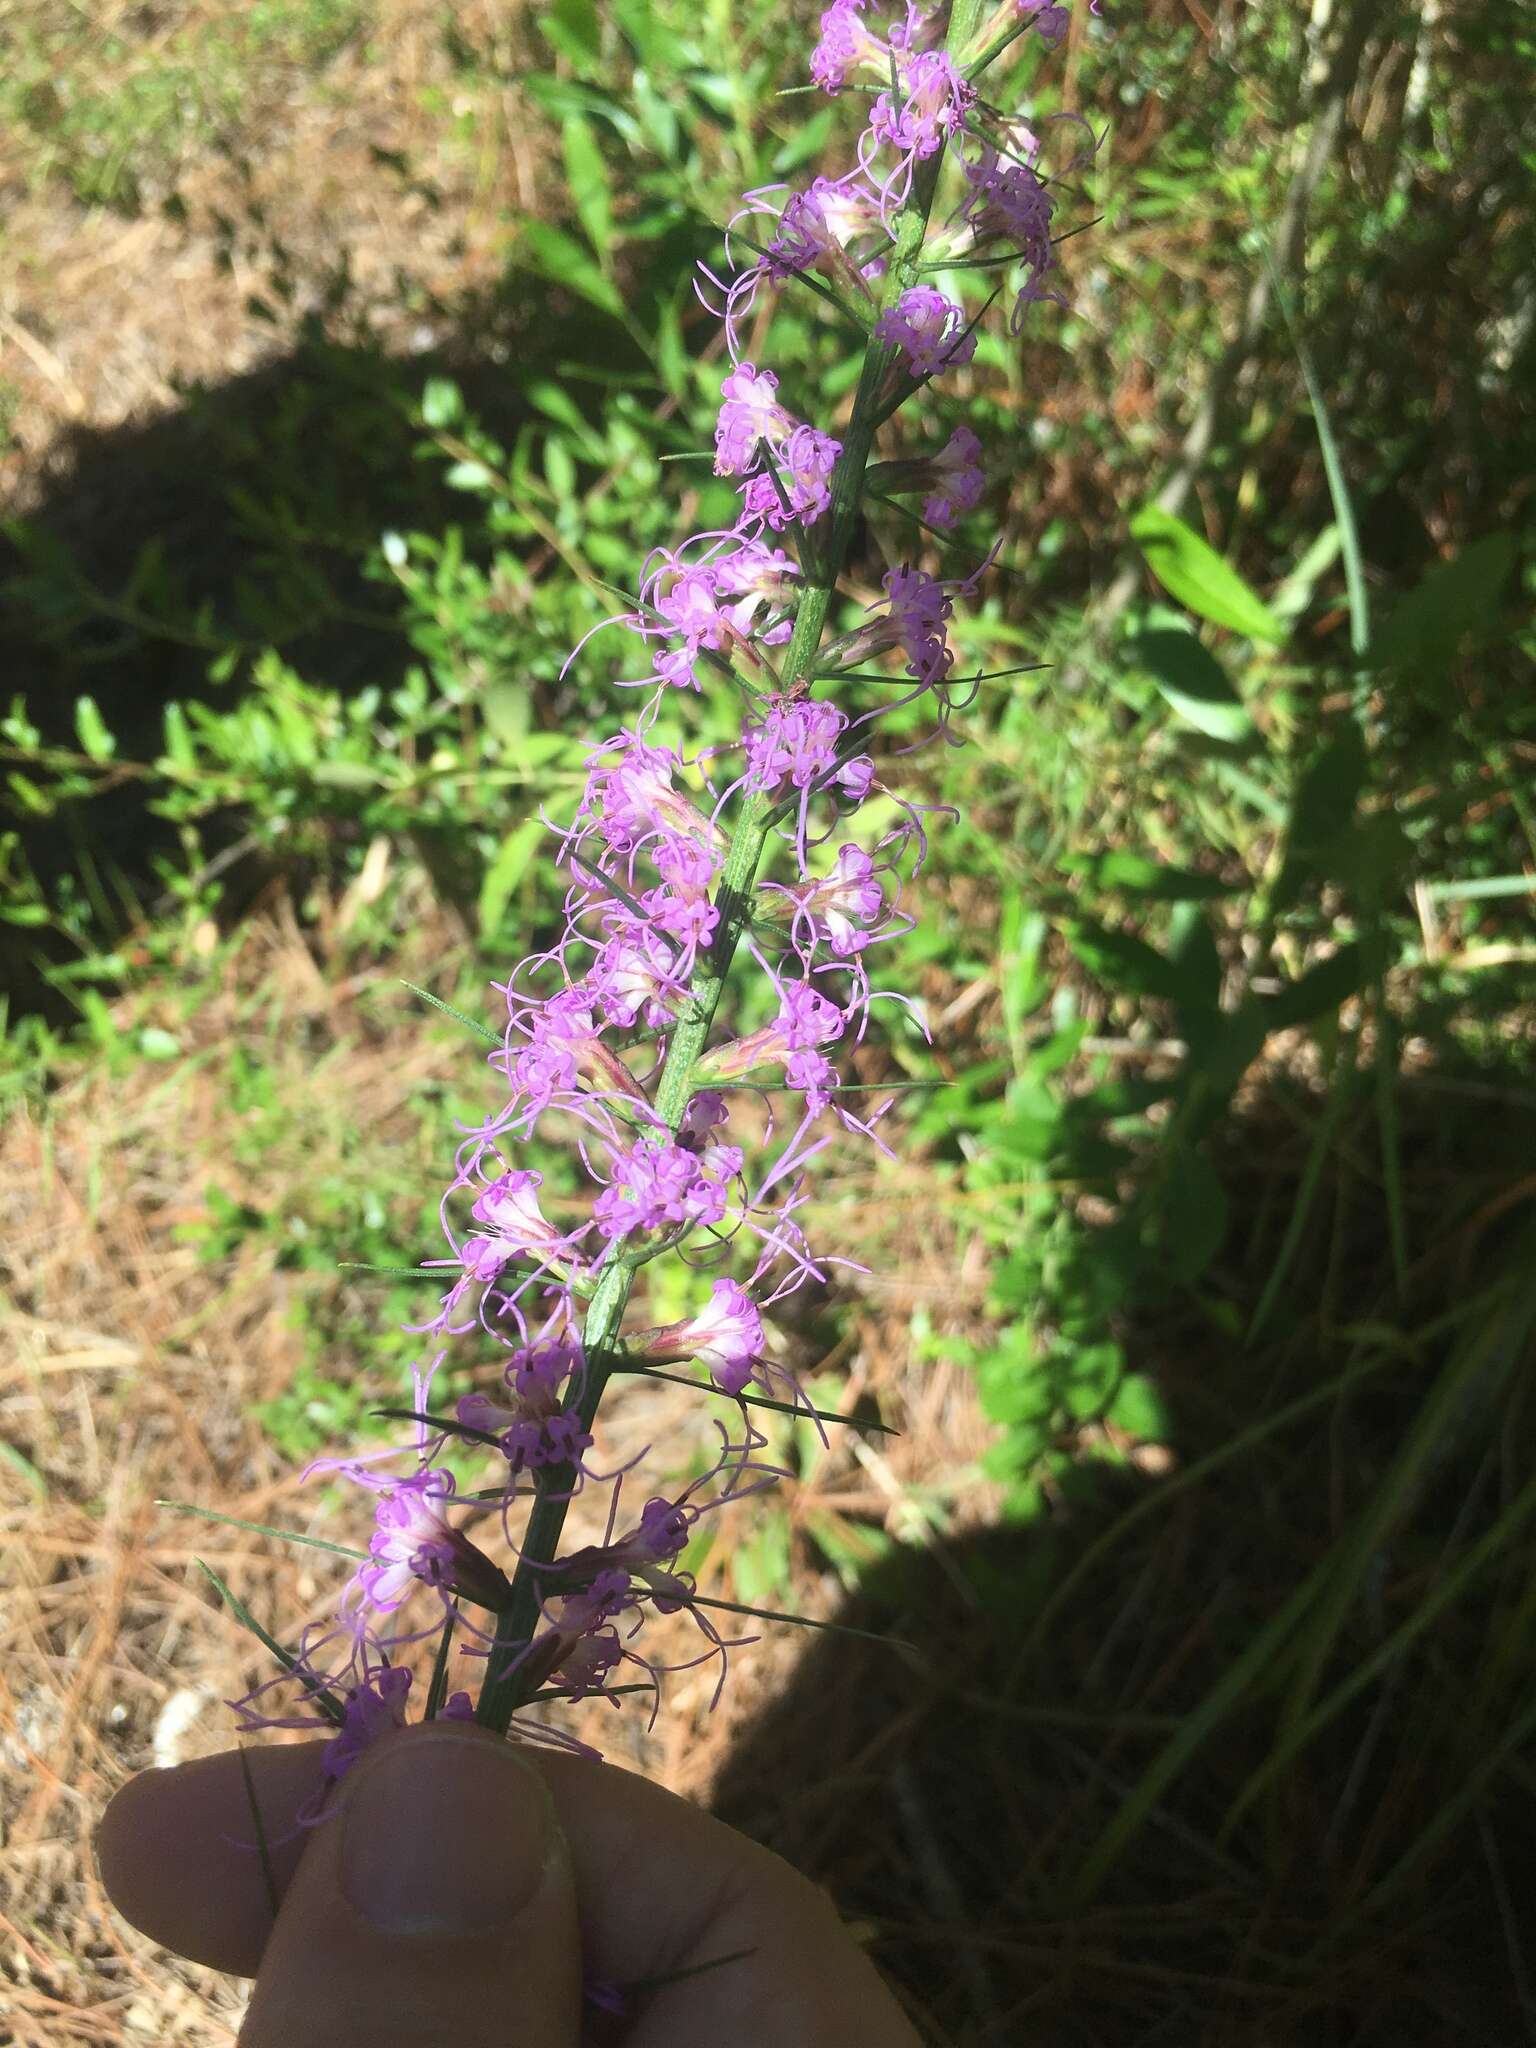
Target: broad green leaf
(1139,1409)
(1321,813)
(560,469)
(573,28)
(178,739)
(467,476)
(505,872)
(1194,683)
(506,709)
(586,177)
(1190,569)
(1457,598)
(1131,967)
(1092,1379)
(1318,992)
(1155,881)
(347,775)
(1191,1215)
(92,730)
(561,258)
(442,403)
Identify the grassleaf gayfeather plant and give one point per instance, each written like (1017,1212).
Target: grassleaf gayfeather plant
(686,878)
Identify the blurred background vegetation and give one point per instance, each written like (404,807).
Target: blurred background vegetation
(343,350)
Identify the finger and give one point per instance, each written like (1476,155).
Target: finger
(436,1904)
(660,1888)
(180,1850)
(666,1890)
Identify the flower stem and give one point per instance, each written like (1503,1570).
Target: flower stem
(504,1690)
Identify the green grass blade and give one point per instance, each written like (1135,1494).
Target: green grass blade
(678,1379)
(1249,1673)
(1333,468)
(1306,1195)
(188,1507)
(438,1687)
(268,1880)
(835,1628)
(1169,1489)
(327,1702)
(1489,1355)
(469,1023)
(1450,1589)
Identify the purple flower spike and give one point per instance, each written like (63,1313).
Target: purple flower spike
(798,487)
(626,1028)
(750,416)
(931,108)
(958,479)
(847,43)
(414,1541)
(795,743)
(930,331)
(372,1709)
(727,1337)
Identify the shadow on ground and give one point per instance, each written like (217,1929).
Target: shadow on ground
(242,522)
(1238,1753)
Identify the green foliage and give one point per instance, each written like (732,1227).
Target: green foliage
(114,117)
(1234,877)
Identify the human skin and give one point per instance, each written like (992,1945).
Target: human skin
(457,1887)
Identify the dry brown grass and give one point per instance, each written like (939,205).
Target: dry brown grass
(104,318)
(132,1364)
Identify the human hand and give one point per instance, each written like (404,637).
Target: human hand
(458,1887)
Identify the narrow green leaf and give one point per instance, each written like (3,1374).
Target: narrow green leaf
(1488,886)
(1154,881)
(1321,813)
(678,1379)
(438,1688)
(92,730)
(1441,1593)
(586,178)
(836,1628)
(447,1423)
(396,1272)
(560,258)
(1190,569)
(1483,1361)
(346,775)
(505,872)
(469,1023)
(327,1702)
(1333,469)
(269,1882)
(637,1985)
(21,1464)
(1317,993)
(188,1507)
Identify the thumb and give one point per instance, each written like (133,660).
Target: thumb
(434,1904)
